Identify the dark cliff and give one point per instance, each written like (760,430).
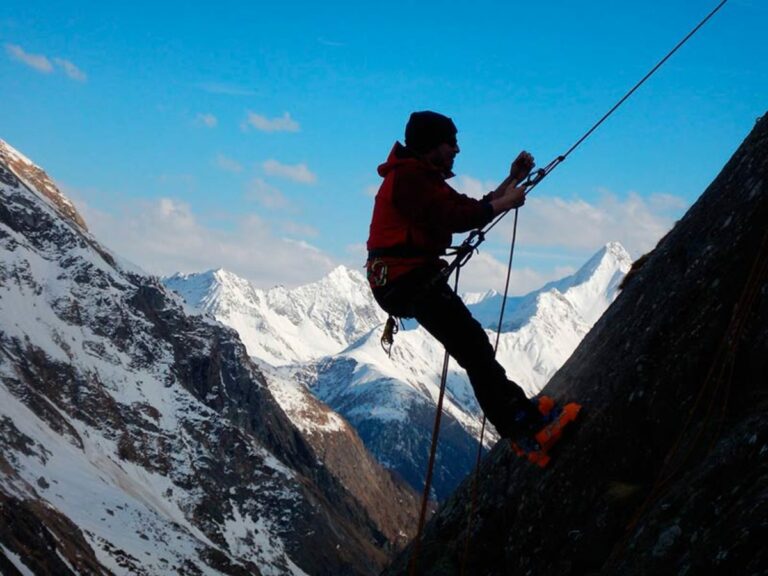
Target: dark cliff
(667,472)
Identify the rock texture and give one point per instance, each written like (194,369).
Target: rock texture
(667,472)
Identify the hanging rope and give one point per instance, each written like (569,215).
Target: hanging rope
(462,255)
(475,483)
(432,454)
(475,238)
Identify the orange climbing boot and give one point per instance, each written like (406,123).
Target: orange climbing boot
(536,447)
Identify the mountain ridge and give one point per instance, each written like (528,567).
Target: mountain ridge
(139,438)
(376,392)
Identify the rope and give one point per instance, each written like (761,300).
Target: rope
(477,237)
(432,453)
(464,253)
(476,476)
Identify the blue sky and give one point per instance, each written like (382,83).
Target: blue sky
(246,135)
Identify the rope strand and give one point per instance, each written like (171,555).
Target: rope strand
(464,253)
(432,453)
(477,237)
(476,477)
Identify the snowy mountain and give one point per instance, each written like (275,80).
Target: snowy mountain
(391,401)
(326,335)
(137,437)
(542,329)
(282,326)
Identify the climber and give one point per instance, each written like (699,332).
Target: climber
(414,215)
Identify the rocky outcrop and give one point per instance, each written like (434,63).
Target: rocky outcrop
(48,541)
(668,469)
(36,178)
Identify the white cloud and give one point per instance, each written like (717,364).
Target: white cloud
(37,61)
(42,63)
(358,251)
(283,123)
(471,186)
(166,236)
(267,195)
(638,223)
(556,236)
(296,172)
(71,70)
(483,272)
(207,120)
(291,228)
(228,164)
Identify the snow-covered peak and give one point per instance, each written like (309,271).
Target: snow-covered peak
(280,325)
(607,260)
(136,437)
(341,275)
(588,291)
(15,155)
(471,298)
(594,286)
(196,283)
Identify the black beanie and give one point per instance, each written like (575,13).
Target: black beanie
(427,130)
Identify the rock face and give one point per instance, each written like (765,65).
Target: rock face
(139,438)
(667,472)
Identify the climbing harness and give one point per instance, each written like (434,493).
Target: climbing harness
(377,271)
(462,255)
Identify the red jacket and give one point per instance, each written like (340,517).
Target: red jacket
(416,212)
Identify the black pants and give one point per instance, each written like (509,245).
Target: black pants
(444,315)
